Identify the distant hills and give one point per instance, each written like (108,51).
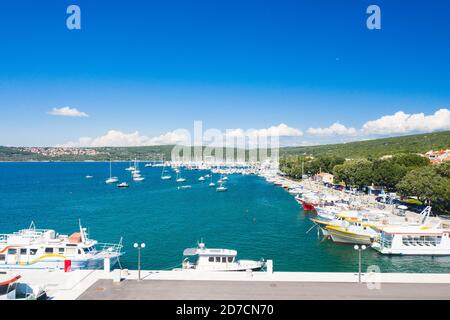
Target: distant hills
(419,143)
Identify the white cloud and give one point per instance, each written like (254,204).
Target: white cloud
(281,130)
(401,122)
(115,138)
(335,129)
(67,112)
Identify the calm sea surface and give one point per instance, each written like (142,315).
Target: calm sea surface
(253,217)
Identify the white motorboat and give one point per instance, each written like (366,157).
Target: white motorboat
(89,177)
(123,185)
(8,285)
(148,165)
(45,249)
(12,289)
(139,178)
(217,260)
(428,238)
(201,179)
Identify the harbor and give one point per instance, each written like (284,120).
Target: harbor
(310,262)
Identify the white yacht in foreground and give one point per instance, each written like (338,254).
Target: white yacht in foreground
(45,249)
(204,259)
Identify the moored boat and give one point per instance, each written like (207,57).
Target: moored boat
(45,249)
(217,260)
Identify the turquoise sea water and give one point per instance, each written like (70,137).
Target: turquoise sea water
(253,217)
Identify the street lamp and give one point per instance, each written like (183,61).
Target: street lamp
(360,249)
(139,247)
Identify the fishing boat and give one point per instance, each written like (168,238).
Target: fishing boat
(45,249)
(349,227)
(204,259)
(111,179)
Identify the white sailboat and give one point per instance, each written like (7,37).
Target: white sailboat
(111,179)
(212,184)
(221,188)
(136,173)
(164,175)
(130,167)
(179,178)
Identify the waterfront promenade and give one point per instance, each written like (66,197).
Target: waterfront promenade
(259,290)
(180,285)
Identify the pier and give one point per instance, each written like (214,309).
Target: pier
(195,285)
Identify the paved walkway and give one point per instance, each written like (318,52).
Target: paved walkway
(258,290)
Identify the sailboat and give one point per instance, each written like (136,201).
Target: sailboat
(221,188)
(179,178)
(165,176)
(130,168)
(111,179)
(212,184)
(136,173)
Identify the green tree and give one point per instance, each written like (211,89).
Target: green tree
(427,185)
(357,173)
(387,173)
(410,160)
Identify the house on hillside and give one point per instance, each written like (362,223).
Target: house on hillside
(437,157)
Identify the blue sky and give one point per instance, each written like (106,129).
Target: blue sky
(155,66)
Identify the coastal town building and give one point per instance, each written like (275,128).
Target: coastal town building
(324,177)
(437,157)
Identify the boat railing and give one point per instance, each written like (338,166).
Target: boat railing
(26,233)
(110,247)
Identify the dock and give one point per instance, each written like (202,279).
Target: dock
(198,285)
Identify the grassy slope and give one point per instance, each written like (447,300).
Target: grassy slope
(420,143)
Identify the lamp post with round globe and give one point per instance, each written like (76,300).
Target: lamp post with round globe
(359,249)
(139,247)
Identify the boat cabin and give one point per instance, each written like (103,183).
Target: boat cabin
(202,256)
